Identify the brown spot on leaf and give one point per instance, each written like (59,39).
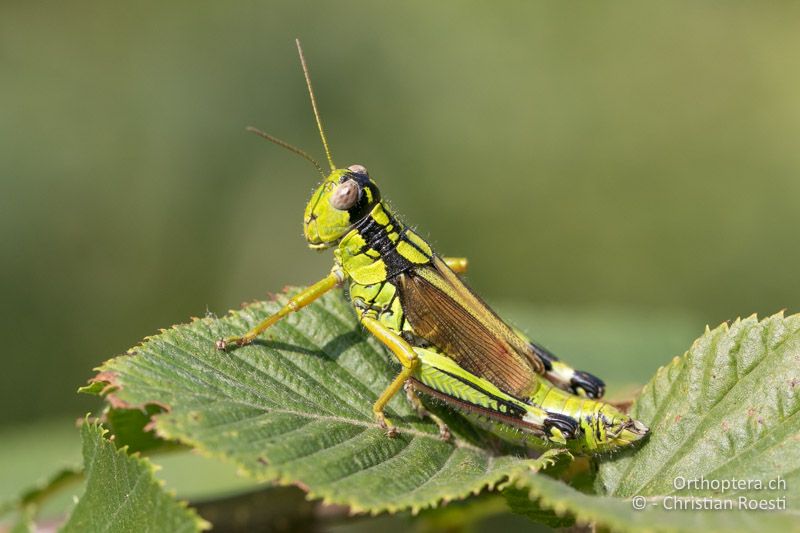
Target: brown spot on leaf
(111,379)
(115,402)
(105,376)
(678,418)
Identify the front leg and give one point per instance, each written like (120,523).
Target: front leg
(295,303)
(407,357)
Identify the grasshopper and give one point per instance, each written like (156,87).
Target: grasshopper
(450,344)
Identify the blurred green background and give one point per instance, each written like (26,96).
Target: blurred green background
(618,174)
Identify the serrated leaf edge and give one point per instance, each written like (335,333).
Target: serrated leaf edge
(151,468)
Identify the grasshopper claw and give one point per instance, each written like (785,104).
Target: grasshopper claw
(391,430)
(444,431)
(225,343)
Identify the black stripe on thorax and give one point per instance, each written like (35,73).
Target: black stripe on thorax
(377,238)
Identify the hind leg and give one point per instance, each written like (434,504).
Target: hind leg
(416,403)
(567,378)
(564,376)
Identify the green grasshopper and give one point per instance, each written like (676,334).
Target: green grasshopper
(451,345)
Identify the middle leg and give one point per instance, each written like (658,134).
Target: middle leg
(422,412)
(407,357)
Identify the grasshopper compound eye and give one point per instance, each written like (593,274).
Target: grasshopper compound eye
(345,195)
(358,169)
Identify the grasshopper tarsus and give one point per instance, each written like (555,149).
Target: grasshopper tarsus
(224,344)
(388,427)
(416,403)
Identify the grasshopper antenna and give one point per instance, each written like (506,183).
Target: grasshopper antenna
(314,105)
(288,146)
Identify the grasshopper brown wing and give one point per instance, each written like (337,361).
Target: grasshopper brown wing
(445,312)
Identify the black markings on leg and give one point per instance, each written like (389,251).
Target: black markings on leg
(545,355)
(568,426)
(592,386)
(579,382)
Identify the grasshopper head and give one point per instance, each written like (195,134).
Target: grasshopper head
(614,429)
(624,430)
(345,197)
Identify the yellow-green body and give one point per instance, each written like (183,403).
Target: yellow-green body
(449,343)
(477,399)
(370,270)
(371,256)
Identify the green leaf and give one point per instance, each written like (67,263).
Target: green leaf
(130,429)
(296,407)
(519,502)
(122,494)
(617,514)
(727,410)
